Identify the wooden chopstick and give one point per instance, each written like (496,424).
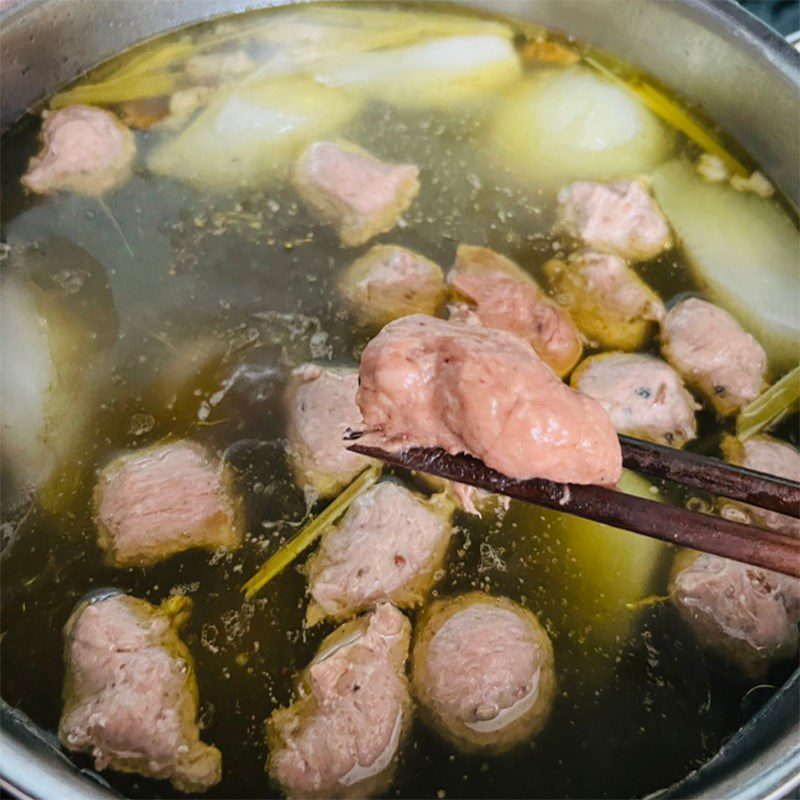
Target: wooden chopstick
(705,532)
(712,475)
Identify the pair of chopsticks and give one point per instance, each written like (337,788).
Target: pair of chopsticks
(711,534)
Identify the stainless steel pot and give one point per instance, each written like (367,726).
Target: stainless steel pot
(739,72)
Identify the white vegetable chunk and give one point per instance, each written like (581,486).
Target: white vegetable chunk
(246,136)
(442,72)
(27,376)
(744,253)
(571,124)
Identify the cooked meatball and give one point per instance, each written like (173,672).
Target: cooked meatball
(483,672)
(619,217)
(354,192)
(468,389)
(342,737)
(130,694)
(746,615)
(390,282)
(386,549)
(714,354)
(153,503)
(321,407)
(84,150)
(506,297)
(642,394)
(611,305)
(765,454)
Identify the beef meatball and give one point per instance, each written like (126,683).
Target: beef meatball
(642,394)
(714,354)
(483,672)
(130,694)
(354,192)
(84,149)
(506,297)
(389,282)
(387,548)
(611,305)
(746,615)
(342,737)
(162,500)
(618,217)
(765,454)
(320,408)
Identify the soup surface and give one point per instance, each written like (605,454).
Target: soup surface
(177,305)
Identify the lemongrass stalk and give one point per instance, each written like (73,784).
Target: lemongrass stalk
(769,407)
(302,540)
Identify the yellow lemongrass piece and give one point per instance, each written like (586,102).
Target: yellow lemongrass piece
(302,540)
(120,90)
(769,407)
(673,114)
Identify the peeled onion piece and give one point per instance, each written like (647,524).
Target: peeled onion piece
(570,124)
(440,72)
(743,250)
(246,135)
(27,375)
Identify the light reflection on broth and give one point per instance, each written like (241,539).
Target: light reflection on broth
(180,304)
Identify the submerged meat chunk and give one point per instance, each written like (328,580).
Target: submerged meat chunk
(431,383)
(714,354)
(387,548)
(483,672)
(613,307)
(746,615)
(84,150)
(642,394)
(765,454)
(343,736)
(618,217)
(153,503)
(506,297)
(320,408)
(389,282)
(354,192)
(130,694)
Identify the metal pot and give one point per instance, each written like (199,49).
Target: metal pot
(739,72)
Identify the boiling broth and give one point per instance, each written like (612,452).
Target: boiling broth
(178,287)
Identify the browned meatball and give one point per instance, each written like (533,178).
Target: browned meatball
(483,672)
(714,354)
(746,615)
(354,192)
(343,736)
(162,500)
(130,695)
(84,149)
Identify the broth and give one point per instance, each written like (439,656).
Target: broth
(179,286)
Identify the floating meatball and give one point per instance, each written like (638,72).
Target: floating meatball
(130,694)
(354,192)
(84,150)
(390,282)
(321,407)
(387,548)
(642,394)
(714,354)
(611,305)
(427,382)
(765,454)
(619,217)
(506,297)
(483,672)
(342,737)
(746,615)
(162,500)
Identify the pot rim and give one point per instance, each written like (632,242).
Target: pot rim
(32,767)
